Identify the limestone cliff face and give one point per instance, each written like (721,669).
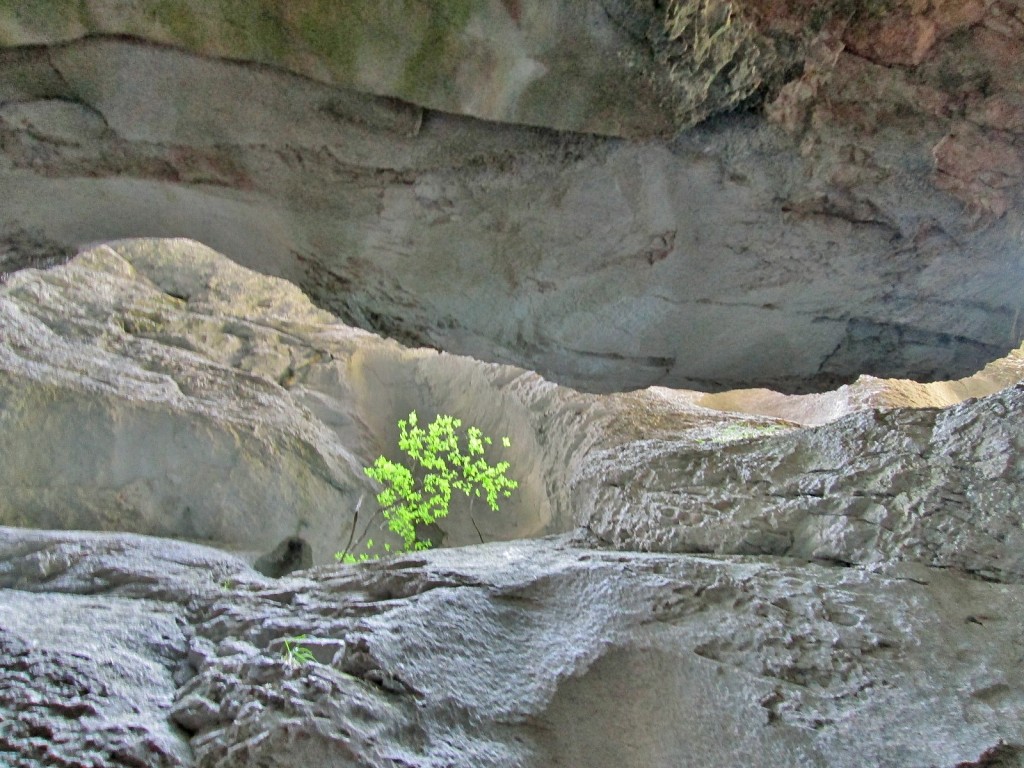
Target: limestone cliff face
(841,195)
(156,387)
(609,194)
(791,571)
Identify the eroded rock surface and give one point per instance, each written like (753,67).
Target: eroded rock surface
(94,637)
(847,201)
(710,194)
(941,487)
(524,654)
(556,64)
(155,387)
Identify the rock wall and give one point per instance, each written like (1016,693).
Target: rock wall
(563,65)
(735,588)
(812,227)
(613,193)
(154,386)
(939,487)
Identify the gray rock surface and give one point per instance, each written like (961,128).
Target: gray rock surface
(513,654)
(753,578)
(94,638)
(564,64)
(156,387)
(796,250)
(940,487)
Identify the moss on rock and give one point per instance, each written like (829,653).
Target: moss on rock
(26,23)
(550,63)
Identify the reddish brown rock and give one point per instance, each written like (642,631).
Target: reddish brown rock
(897,40)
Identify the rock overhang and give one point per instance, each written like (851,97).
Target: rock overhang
(866,244)
(795,252)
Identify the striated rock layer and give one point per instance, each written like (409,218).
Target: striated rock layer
(527,654)
(616,193)
(842,197)
(845,594)
(941,487)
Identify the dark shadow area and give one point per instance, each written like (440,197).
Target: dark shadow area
(292,554)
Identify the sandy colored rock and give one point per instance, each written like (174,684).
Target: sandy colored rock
(901,40)
(156,387)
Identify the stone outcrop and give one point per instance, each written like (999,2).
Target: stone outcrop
(814,225)
(156,387)
(526,654)
(732,572)
(940,487)
(714,194)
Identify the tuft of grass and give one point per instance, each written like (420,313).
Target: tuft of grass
(295,654)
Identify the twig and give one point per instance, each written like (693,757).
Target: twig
(473,520)
(355,522)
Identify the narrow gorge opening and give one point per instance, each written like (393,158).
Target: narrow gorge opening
(740,281)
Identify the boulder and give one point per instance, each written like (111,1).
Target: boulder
(933,486)
(158,388)
(154,386)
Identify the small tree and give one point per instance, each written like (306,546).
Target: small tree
(419,492)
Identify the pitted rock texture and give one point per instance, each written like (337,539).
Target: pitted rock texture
(525,654)
(795,249)
(92,659)
(940,487)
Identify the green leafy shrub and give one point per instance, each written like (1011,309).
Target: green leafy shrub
(419,492)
